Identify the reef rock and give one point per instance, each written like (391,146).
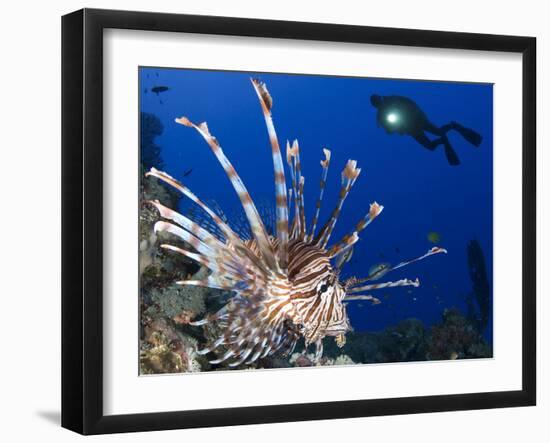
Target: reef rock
(456,337)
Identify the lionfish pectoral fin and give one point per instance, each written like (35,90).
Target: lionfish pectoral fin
(352,283)
(373,300)
(245,255)
(389,284)
(230,353)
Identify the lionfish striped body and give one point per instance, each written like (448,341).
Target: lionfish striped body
(286,286)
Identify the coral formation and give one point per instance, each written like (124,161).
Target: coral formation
(150,128)
(300,359)
(166,345)
(456,337)
(178,302)
(166,350)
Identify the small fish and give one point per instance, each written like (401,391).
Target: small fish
(378,270)
(434,237)
(158,89)
(186,173)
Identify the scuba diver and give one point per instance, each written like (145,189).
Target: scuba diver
(401,115)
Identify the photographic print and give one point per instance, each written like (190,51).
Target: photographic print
(295,221)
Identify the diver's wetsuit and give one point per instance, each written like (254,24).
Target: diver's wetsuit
(402,115)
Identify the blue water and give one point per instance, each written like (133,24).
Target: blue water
(420,192)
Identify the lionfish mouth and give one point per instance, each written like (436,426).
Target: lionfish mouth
(285,287)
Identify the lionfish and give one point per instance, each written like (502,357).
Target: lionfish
(284,287)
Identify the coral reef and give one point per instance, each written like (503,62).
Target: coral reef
(150,156)
(167,344)
(456,337)
(175,301)
(299,359)
(150,128)
(405,341)
(164,349)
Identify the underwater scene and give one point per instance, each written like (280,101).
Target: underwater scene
(290,220)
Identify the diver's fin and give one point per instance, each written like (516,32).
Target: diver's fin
(450,153)
(469,135)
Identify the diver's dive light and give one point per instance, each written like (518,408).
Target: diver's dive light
(392,118)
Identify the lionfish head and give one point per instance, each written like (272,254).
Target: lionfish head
(316,293)
(286,286)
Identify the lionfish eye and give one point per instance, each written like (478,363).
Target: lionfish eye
(323,288)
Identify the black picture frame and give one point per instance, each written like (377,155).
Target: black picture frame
(82,216)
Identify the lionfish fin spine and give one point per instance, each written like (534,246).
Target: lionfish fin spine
(209,282)
(298,181)
(435,250)
(341,246)
(390,284)
(280,182)
(227,231)
(256,224)
(213,265)
(290,155)
(187,224)
(195,242)
(349,175)
(325,165)
(374,300)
